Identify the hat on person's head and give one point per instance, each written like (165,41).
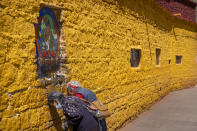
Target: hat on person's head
(73,84)
(55,95)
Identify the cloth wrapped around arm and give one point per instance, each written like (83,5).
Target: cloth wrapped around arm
(72,111)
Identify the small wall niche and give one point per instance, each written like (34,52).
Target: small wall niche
(169,62)
(47,41)
(158,54)
(178,60)
(135,57)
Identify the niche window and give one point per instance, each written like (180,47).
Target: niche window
(158,53)
(169,62)
(135,57)
(178,59)
(47,39)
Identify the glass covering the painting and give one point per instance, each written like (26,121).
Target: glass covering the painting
(135,57)
(47,43)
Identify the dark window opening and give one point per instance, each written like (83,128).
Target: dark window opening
(169,62)
(178,59)
(135,57)
(158,53)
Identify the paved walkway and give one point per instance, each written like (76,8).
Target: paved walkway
(176,112)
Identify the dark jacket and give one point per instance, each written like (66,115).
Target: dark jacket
(78,116)
(87,94)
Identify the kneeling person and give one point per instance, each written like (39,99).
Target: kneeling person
(73,108)
(75,89)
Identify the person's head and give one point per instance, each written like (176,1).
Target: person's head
(55,99)
(72,87)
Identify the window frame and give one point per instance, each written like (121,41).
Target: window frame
(181,60)
(158,58)
(136,64)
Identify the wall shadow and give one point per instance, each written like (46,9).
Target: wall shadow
(56,118)
(156,15)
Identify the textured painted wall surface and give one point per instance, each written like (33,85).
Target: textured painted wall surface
(185,8)
(99,35)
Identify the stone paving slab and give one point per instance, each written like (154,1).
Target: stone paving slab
(176,112)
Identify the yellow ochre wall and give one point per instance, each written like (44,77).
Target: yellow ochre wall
(99,35)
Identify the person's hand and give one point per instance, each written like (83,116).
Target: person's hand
(63,118)
(92,107)
(65,125)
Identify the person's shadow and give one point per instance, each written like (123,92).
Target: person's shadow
(56,118)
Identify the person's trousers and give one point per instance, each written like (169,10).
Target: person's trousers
(102,125)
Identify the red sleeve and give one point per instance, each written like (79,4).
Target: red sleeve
(79,95)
